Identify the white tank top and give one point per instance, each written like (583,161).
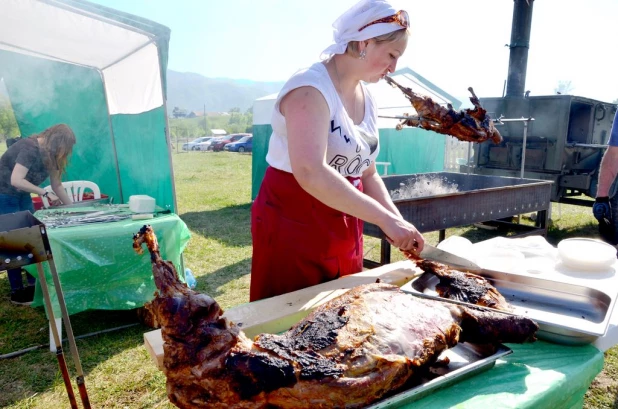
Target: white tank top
(351,148)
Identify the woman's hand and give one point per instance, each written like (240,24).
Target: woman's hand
(53,199)
(403,235)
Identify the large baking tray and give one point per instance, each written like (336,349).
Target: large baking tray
(466,360)
(90,202)
(566,313)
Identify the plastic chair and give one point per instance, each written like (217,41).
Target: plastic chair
(75,190)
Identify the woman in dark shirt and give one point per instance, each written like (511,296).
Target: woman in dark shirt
(23,167)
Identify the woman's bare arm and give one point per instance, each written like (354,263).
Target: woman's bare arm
(56,184)
(18,181)
(608,172)
(374,187)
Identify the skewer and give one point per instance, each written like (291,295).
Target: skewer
(409,118)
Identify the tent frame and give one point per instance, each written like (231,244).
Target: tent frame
(86,9)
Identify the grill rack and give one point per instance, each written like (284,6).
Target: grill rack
(479,199)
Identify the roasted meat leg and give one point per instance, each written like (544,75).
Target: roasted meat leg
(347,353)
(462,285)
(471,125)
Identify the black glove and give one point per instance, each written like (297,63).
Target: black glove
(602,210)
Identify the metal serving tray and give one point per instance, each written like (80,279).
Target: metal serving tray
(465,361)
(566,313)
(91,202)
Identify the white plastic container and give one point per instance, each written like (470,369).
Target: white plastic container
(586,254)
(141,204)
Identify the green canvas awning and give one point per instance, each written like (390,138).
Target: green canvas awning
(102,72)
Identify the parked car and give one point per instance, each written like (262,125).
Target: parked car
(218,146)
(203,146)
(244,144)
(207,146)
(192,146)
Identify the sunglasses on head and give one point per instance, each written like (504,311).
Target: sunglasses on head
(401,18)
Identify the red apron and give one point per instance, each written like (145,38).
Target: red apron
(297,240)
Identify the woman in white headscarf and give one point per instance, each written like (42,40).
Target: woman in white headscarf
(321,183)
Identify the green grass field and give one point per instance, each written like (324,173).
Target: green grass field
(214,199)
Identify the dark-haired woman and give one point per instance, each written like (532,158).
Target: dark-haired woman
(23,167)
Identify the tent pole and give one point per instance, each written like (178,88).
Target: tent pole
(169,150)
(129,54)
(18,50)
(169,154)
(111,132)
(168,138)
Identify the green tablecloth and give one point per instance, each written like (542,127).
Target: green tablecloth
(98,268)
(538,375)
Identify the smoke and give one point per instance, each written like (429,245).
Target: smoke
(36,85)
(424,186)
(44,93)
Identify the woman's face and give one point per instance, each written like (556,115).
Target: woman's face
(382,57)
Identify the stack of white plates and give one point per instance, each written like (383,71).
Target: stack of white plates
(586,254)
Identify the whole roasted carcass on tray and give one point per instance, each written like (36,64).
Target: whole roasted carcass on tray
(348,352)
(471,125)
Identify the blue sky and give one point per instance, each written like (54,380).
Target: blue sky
(454,43)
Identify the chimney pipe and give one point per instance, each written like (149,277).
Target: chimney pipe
(520,43)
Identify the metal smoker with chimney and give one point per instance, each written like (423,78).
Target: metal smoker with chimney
(560,138)
(551,152)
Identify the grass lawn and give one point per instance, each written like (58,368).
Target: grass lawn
(214,199)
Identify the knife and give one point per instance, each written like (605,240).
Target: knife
(433,253)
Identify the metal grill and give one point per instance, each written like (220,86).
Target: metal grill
(478,199)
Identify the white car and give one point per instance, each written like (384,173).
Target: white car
(203,146)
(192,146)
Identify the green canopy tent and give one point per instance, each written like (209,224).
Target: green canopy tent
(102,72)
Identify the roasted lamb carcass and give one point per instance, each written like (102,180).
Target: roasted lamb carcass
(471,125)
(348,352)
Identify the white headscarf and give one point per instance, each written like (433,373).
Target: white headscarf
(345,28)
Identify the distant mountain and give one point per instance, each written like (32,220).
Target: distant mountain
(192,91)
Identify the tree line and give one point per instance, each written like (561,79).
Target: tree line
(8,124)
(233,121)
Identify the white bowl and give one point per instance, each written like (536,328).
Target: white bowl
(586,254)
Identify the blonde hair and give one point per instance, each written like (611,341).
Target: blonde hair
(56,146)
(384,38)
